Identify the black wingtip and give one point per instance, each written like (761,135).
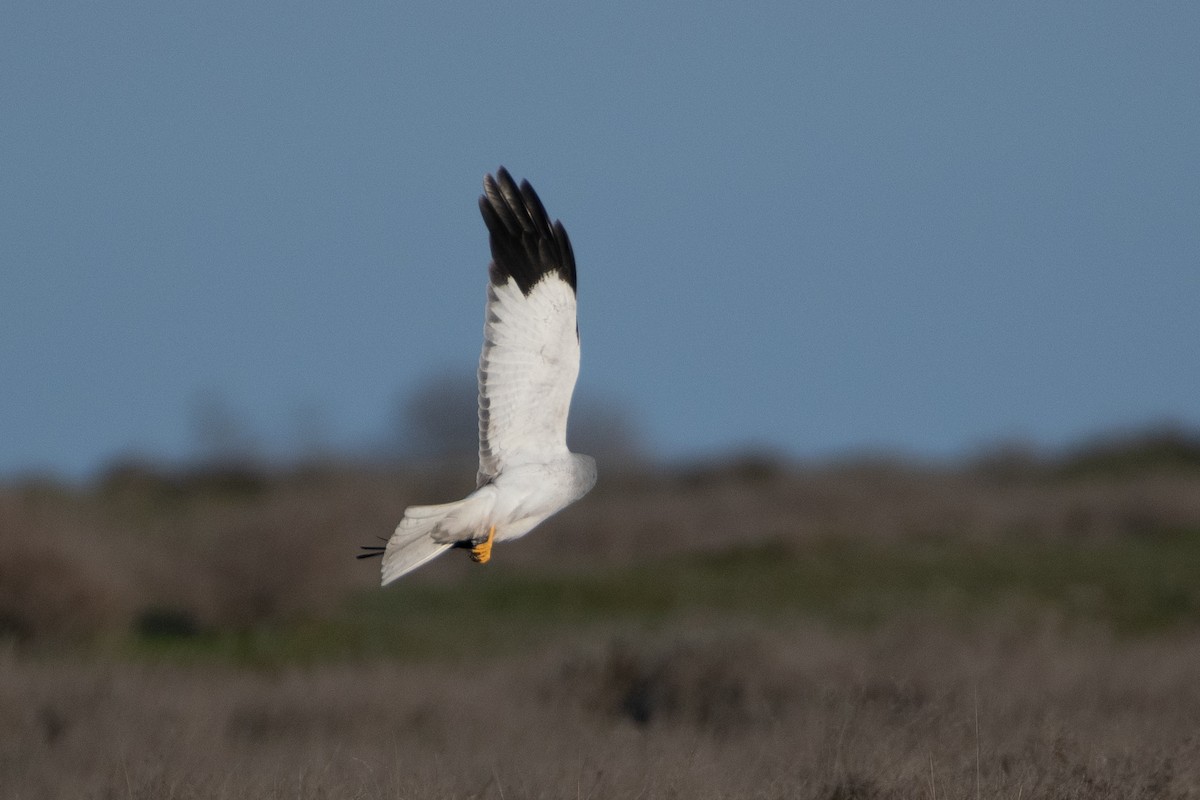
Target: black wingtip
(525,245)
(372,549)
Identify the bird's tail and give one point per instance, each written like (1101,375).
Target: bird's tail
(428,531)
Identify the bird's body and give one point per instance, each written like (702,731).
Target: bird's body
(527,373)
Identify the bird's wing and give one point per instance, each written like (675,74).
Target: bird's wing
(530,353)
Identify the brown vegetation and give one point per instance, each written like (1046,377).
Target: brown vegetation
(208,634)
(904,712)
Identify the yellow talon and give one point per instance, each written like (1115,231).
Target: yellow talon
(482,552)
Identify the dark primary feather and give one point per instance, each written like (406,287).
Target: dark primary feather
(372,550)
(525,245)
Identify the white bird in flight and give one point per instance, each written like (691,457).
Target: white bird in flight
(527,372)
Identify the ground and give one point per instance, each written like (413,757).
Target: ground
(1007,627)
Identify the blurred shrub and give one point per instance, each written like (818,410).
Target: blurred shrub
(716,684)
(271,564)
(158,622)
(748,468)
(1165,449)
(48,592)
(136,481)
(178,551)
(438,422)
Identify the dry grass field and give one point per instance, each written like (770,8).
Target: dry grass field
(1012,627)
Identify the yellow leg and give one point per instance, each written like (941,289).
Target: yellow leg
(482,552)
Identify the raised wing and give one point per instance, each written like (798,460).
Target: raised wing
(530,353)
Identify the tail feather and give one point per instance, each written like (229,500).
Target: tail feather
(426,532)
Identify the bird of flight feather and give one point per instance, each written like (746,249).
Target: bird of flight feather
(527,373)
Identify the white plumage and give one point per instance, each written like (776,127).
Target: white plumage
(527,373)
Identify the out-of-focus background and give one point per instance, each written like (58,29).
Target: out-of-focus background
(889,319)
(808,227)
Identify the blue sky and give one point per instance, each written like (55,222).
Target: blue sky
(806,227)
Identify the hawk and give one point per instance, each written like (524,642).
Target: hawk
(527,373)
